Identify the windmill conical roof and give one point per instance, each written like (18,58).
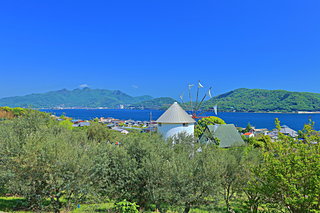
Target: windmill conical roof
(175,115)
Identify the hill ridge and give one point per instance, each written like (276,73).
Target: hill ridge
(263,100)
(238,100)
(85,97)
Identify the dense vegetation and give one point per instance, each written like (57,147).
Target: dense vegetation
(258,100)
(202,124)
(9,113)
(54,167)
(156,103)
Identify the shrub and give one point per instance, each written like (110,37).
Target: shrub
(126,207)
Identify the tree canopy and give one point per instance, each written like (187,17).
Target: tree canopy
(55,167)
(203,122)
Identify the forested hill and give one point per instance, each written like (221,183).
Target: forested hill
(240,100)
(85,97)
(156,103)
(259,100)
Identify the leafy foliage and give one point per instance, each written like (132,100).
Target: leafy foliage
(9,113)
(258,100)
(126,207)
(203,122)
(289,177)
(54,167)
(44,160)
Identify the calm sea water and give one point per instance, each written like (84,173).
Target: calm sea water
(259,120)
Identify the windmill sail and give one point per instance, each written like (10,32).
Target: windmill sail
(182,102)
(181,97)
(196,105)
(215,108)
(190,86)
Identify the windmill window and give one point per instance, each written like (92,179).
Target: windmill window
(185,124)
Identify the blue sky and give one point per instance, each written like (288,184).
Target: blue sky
(158,47)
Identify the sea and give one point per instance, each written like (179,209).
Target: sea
(258,120)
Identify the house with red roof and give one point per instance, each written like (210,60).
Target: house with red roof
(248,135)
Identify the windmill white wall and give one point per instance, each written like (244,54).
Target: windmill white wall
(170,130)
(175,121)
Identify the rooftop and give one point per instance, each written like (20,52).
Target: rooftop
(175,115)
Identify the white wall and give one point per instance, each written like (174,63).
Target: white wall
(169,130)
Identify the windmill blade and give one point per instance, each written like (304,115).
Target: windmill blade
(181,97)
(215,109)
(197,98)
(209,93)
(190,86)
(208,110)
(199,105)
(182,102)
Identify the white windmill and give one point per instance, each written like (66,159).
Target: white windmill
(175,121)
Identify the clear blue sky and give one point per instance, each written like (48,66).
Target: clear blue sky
(158,47)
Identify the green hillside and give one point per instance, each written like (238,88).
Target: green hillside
(259,100)
(240,100)
(74,98)
(156,103)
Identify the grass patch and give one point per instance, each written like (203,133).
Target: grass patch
(19,205)
(10,204)
(104,207)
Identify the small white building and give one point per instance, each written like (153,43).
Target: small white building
(174,121)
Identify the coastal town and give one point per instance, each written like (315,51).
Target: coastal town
(175,115)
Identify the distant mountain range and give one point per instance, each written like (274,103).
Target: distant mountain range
(239,100)
(80,98)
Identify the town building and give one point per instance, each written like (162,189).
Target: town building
(223,135)
(248,134)
(284,130)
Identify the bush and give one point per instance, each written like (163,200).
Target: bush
(126,207)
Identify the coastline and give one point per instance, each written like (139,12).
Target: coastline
(103,108)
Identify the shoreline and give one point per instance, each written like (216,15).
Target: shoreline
(100,108)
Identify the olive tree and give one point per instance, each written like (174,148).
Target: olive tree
(290,176)
(45,161)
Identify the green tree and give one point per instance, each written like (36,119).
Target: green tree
(194,174)
(100,133)
(234,166)
(157,168)
(122,172)
(66,123)
(202,123)
(248,128)
(249,181)
(126,207)
(141,148)
(308,134)
(114,173)
(44,161)
(290,177)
